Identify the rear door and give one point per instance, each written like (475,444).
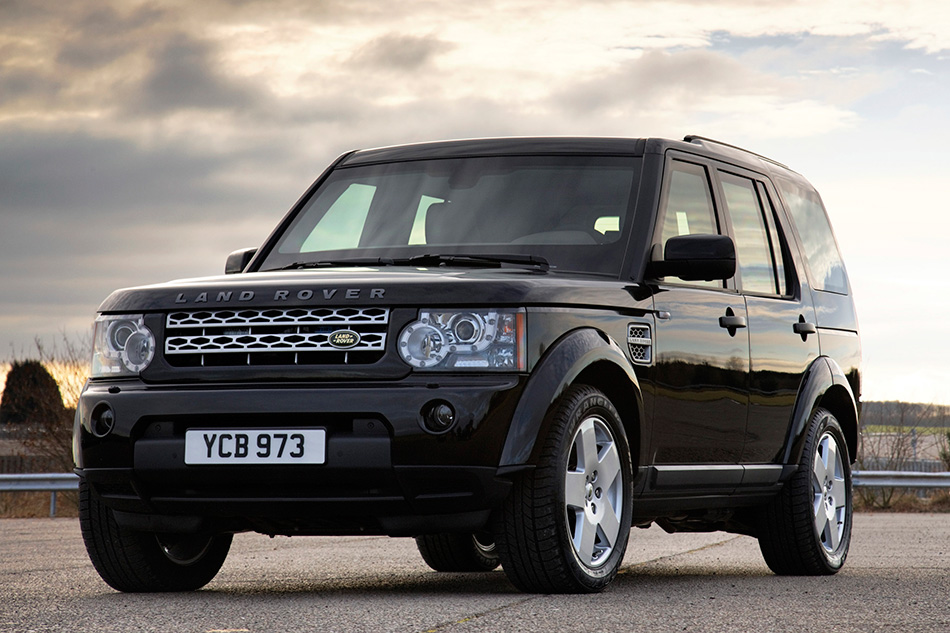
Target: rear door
(781,317)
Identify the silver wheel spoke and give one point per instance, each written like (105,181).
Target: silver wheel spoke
(832,537)
(832,461)
(609,466)
(575,493)
(821,525)
(821,465)
(609,524)
(584,541)
(839,492)
(587,447)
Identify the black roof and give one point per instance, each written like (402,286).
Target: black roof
(562,145)
(499,147)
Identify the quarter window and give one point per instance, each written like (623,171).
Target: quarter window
(821,250)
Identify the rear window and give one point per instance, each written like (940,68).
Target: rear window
(821,250)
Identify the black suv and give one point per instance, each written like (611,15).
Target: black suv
(512,350)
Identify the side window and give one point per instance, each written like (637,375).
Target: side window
(753,242)
(688,209)
(821,250)
(777,240)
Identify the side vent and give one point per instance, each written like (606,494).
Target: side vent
(640,342)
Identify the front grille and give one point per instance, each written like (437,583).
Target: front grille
(295,336)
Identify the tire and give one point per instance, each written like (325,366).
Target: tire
(132,561)
(565,524)
(458,552)
(806,529)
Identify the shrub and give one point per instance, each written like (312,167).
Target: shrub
(31,398)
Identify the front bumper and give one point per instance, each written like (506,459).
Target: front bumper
(384,472)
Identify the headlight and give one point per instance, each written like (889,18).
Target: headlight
(122,345)
(452,340)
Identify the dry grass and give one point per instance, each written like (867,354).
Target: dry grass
(31,505)
(892,500)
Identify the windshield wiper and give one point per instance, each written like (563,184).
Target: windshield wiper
(430,259)
(337,263)
(459,259)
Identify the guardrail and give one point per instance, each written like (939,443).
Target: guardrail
(40,482)
(899,479)
(58,482)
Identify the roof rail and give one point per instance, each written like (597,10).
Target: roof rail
(693,138)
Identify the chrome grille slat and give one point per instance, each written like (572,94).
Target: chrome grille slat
(286,332)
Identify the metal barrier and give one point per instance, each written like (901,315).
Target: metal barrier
(899,479)
(41,482)
(56,482)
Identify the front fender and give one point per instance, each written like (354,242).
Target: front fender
(563,362)
(824,384)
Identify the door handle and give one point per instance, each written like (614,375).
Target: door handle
(732,322)
(804,328)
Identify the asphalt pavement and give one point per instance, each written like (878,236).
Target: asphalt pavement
(897,578)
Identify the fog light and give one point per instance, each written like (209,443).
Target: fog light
(438,416)
(102,420)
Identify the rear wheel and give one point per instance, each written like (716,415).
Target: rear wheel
(564,527)
(458,552)
(806,529)
(144,561)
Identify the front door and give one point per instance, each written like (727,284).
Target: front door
(702,349)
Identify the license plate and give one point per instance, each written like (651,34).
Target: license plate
(255,446)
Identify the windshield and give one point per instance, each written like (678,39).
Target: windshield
(568,210)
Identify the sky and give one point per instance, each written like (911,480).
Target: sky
(144,141)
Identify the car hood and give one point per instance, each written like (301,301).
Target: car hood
(382,286)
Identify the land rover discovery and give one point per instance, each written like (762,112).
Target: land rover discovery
(512,350)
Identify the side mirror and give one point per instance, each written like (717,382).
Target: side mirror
(238,260)
(696,258)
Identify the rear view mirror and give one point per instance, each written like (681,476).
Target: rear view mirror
(696,258)
(238,260)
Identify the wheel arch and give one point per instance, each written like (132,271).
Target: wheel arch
(583,356)
(823,386)
(625,396)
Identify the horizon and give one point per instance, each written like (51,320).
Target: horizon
(64,374)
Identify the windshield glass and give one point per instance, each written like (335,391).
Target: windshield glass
(568,210)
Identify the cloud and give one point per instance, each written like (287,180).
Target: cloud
(22,86)
(659,80)
(53,172)
(403,53)
(184,75)
(702,90)
(102,36)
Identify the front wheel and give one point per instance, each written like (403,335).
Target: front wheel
(806,529)
(143,561)
(564,527)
